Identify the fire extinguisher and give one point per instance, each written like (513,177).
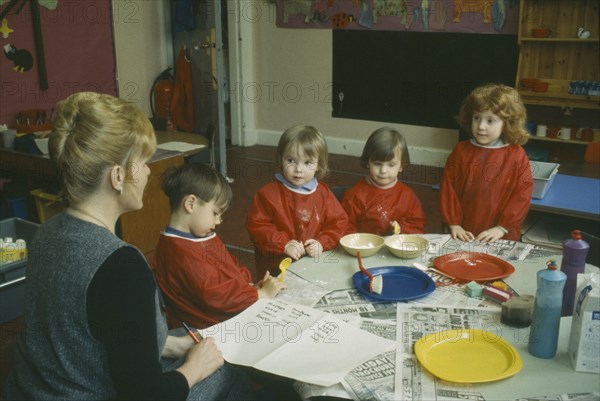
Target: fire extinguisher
(160,98)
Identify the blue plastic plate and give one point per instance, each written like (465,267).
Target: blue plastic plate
(400,283)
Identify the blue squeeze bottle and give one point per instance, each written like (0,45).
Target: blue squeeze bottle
(573,263)
(545,321)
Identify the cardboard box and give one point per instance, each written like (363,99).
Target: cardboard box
(543,176)
(12,274)
(584,341)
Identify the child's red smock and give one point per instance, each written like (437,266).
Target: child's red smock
(278,215)
(203,284)
(371,209)
(483,187)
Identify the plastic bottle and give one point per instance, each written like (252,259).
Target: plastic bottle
(545,321)
(573,263)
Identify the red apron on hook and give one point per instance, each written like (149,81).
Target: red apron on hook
(182,102)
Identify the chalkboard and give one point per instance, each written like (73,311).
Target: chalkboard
(416,78)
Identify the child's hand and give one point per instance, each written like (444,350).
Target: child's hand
(458,232)
(490,235)
(270,286)
(313,248)
(295,249)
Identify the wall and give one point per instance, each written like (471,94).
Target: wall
(142,44)
(285,78)
(291,84)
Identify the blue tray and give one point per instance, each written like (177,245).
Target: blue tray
(400,283)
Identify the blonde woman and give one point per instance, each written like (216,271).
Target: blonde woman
(95,328)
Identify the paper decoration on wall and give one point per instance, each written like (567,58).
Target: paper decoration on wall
(5,30)
(78,53)
(470,16)
(21,58)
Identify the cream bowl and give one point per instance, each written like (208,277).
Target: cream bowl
(366,244)
(406,246)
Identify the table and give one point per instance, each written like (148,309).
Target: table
(538,377)
(141,227)
(571,196)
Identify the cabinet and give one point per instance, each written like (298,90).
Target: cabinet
(561,57)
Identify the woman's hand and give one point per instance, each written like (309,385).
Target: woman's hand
(176,347)
(201,361)
(295,249)
(460,233)
(270,286)
(490,235)
(313,248)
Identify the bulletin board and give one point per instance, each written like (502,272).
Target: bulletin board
(415,78)
(78,53)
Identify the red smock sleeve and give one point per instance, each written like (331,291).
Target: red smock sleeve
(203,283)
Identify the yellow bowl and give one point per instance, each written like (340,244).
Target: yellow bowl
(406,246)
(367,244)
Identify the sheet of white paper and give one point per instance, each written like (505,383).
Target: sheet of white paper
(42,144)
(295,341)
(180,146)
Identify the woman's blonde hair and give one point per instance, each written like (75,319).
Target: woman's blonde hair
(383,145)
(504,102)
(92,132)
(310,140)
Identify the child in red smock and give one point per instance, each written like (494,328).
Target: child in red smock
(487,184)
(202,282)
(380,204)
(296,215)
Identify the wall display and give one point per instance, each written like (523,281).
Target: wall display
(473,16)
(53,48)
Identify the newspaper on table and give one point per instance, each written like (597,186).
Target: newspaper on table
(413,322)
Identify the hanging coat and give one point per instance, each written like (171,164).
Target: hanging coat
(182,102)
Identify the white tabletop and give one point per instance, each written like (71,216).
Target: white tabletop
(538,377)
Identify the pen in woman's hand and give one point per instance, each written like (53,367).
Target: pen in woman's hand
(190,332)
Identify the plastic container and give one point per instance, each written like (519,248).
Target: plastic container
(543,176)
(575,251)
(545,320)
(12,274)
(516,312)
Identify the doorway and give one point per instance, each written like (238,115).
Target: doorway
(199,30)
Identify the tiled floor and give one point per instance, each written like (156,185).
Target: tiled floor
(253,167)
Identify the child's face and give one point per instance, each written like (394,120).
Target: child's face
(205,218)
(486,127)
(298,168)
(384,173)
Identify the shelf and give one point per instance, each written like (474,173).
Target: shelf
(559,100)
(559,40)
(562,58)
(547,139)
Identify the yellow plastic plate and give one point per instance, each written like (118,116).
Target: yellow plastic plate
(468,356)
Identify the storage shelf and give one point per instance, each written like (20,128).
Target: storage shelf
(559,99)
(555,40)
(562,58)
(547,139)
